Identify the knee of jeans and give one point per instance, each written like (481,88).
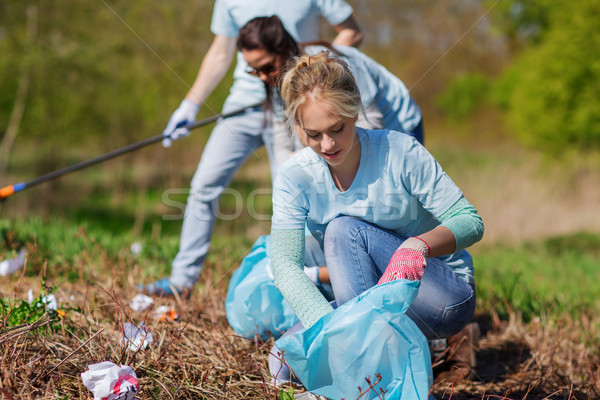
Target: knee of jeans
(205,193)
(202,182)
(340,227)
(338,233)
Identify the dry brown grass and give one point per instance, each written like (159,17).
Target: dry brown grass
(199,355)
(537,360)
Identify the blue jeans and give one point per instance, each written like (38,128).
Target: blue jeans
(357,254)
(231,142)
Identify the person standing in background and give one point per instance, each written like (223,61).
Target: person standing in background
(267,47)
(235,138)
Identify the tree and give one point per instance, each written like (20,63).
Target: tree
(98,73)
(16,115)
(551,89)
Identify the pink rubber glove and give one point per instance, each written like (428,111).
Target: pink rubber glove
(406,263)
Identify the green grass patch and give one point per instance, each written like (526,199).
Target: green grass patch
(74,250)
(547,277)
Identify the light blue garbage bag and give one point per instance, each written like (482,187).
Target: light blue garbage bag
(366,336)
(254,306)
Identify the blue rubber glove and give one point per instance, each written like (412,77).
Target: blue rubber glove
(184,115)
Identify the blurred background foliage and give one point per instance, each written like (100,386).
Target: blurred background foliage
(107,73)
(550,90)
(81,78)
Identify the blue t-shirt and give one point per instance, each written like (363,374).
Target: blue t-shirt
(399,186)
(300,18)
(379,87)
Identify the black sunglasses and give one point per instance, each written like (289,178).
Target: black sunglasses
(265,69)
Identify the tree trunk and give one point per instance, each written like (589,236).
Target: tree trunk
(23,89)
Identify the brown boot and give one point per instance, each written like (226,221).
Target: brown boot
(462,355)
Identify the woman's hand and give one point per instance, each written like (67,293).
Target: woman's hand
(406,263)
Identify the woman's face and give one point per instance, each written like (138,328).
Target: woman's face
(267,66)
(328,134)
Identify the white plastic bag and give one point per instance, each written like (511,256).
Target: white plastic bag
(7,267)
(136,338)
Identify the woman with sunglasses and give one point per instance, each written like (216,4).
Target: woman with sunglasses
(233,140)
(267,46)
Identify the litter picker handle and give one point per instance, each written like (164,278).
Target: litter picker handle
(12,189)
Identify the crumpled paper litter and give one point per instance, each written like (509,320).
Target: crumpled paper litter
(108,381)
(165,313)
(141,302)
(49,300)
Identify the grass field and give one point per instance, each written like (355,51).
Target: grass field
(538,281)
(539,321)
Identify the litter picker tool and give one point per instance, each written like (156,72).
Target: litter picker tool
(12,189)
